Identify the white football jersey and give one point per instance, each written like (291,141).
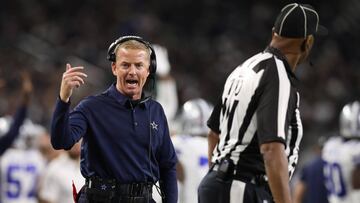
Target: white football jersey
(56,184)
(20,173)
(192,153)
(167,97)
(341,157)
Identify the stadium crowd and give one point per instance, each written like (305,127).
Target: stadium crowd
(205,41)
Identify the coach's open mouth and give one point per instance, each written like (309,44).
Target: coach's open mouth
(132,82)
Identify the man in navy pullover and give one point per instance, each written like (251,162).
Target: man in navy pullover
(126,145)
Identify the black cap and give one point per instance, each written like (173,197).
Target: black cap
(298,21)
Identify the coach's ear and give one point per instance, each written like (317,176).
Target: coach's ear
(113,68)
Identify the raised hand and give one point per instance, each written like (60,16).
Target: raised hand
(27,86)
(72,77)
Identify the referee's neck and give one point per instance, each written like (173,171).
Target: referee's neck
(290,48)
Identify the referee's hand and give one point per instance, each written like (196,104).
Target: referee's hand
(71,78)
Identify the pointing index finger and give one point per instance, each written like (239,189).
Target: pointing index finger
(68,66)
(75,69)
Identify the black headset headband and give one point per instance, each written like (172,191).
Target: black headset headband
(112,56)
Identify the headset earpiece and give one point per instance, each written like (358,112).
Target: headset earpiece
(111,55)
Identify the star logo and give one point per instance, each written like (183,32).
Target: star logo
(103,187)
(154,125)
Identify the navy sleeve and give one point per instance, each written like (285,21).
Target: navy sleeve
(66,128)
(167,165)
(7,140)
(304,175)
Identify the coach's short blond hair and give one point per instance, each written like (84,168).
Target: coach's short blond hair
(133,44)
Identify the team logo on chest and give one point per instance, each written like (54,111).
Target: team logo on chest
(153,125)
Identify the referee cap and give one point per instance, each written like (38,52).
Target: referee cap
(298,21)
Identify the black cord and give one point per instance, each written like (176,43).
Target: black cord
(152,82)
(150,147)
(149,155)
(151,86)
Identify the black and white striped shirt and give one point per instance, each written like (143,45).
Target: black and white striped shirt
(259,104)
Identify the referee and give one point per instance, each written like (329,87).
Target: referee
(256,128)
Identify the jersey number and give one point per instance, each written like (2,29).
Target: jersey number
(15,187)
(235,86)
(334,180)
(203,161)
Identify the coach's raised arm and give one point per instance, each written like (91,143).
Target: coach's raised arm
(66,135)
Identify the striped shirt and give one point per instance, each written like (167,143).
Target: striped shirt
(259,104)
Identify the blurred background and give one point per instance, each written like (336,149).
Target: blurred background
(205,40)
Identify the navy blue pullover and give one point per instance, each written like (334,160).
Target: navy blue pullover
(7,140)
(116,136)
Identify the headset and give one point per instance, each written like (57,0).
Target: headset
(111,55)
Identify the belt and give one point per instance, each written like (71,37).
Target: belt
(119,189)
(247,178)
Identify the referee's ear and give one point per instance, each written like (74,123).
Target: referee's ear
(309,42)
(272,35)
(272,32)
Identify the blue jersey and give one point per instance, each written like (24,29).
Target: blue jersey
(313,177)
(116,136)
